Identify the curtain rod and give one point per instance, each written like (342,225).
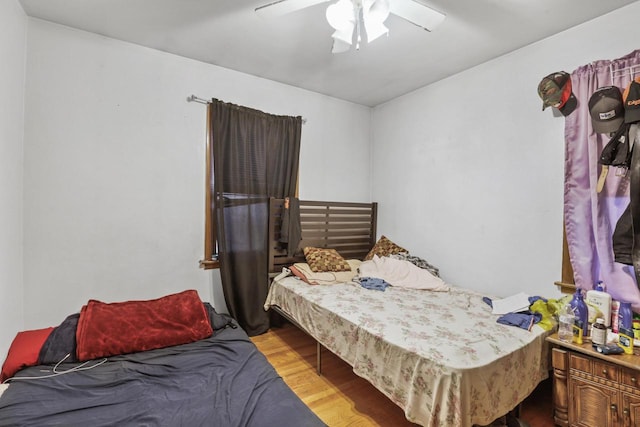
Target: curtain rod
(193,98)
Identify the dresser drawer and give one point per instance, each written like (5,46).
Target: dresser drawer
(580,363)
(605,370)
(594,367)
(630,377)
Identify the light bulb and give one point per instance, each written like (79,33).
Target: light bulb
(374,13)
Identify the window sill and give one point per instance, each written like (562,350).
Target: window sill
(566,288)
(209,264)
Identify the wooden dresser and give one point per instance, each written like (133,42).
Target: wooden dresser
(594,390)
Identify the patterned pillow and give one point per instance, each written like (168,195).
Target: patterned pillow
(384,247)
(321,260)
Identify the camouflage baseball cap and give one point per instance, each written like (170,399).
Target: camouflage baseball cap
(555,91)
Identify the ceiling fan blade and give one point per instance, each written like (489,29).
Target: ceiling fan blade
(416,13)
(282,7)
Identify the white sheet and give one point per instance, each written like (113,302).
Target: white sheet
(401,273)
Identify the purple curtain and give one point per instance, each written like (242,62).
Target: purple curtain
(591,217)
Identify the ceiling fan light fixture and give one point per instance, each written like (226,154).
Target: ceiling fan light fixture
(345,35)
(375,30)
(341,15)
(374,13)
(350,17)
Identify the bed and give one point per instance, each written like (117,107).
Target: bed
(438,353)
(218,380)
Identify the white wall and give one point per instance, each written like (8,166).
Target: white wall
(114,166)
(13,31)
(468,172)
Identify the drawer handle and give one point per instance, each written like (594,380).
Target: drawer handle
(633,380)
(626,412)
(604,372)
(614,408)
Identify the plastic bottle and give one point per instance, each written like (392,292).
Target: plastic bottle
(615,316)
(625,316)
(566,320)
(579,307)
(599,300)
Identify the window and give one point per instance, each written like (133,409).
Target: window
(276,157)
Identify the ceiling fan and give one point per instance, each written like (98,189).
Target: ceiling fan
(348,17)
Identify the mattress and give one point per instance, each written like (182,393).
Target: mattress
(222,380)
(441,356)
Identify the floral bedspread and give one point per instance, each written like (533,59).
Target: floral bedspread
(440,356)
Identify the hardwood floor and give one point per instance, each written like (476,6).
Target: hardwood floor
(341,398)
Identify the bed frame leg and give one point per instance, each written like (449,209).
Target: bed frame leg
(318,358)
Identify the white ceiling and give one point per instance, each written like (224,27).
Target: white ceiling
(296,48)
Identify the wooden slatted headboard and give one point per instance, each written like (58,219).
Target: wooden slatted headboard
(349,228)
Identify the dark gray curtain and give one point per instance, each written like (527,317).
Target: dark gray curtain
(255,157)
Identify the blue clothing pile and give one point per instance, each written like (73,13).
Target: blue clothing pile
(373,283)
(524,319)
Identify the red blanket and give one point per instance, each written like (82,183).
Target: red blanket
(131,326)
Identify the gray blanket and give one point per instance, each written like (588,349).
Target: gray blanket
(220,381)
